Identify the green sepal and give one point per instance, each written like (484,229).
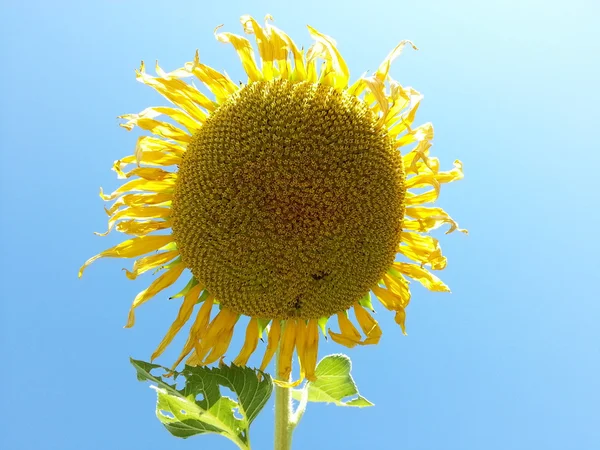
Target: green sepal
(366,302)
(394,273)
(322,322)
(171,264)
(203,296)
(193,282)
(263,325)
(169,247)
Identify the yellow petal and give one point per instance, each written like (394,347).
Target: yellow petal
(154,144)
(423,180)
(311,349)
(451,175)
(301,344)
(219,341)
(184,314)
(403,122)
(369,326)
(434,179)
(358,86)
(148,158)
(161,283)
(400,319)
(422,249)
(141,212)
(131,249)
(245,52)
(384,68)
(179,93)
(423,276)
(151,174)
(137,228)
(178,115)
(376,88)
(328,51)
(421,133)
(429,196)
(431,218)
(349,335)
(150,262)
(162,129)
(389,299)
(220,85)
(265,48)
(299,67)
(435,258)
(396,283)
(151,158)
(400,98)
(280,49)
(139,184)
(198,329)
(273,342)
(286,350)
(139,200)
(250,343)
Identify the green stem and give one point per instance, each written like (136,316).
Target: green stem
(283,415)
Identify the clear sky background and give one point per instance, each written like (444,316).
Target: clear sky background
(509,360)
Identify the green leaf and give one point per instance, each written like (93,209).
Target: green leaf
(200,408)
(334,384)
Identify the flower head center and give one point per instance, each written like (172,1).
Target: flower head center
(289,201)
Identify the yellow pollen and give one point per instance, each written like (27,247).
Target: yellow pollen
(289,201)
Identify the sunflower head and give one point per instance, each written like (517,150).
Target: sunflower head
(289,198)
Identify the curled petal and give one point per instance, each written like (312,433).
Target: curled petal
(349,335)
(141,212)
(384,68)
(396,283)
(369,326)
(388,298)
(430,218)
(422,249)
(423,276)
(150,262)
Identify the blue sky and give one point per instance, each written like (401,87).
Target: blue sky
(509,360)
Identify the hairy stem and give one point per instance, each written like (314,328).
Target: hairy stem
(283,415)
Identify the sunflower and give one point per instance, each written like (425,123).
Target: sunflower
(289,199)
